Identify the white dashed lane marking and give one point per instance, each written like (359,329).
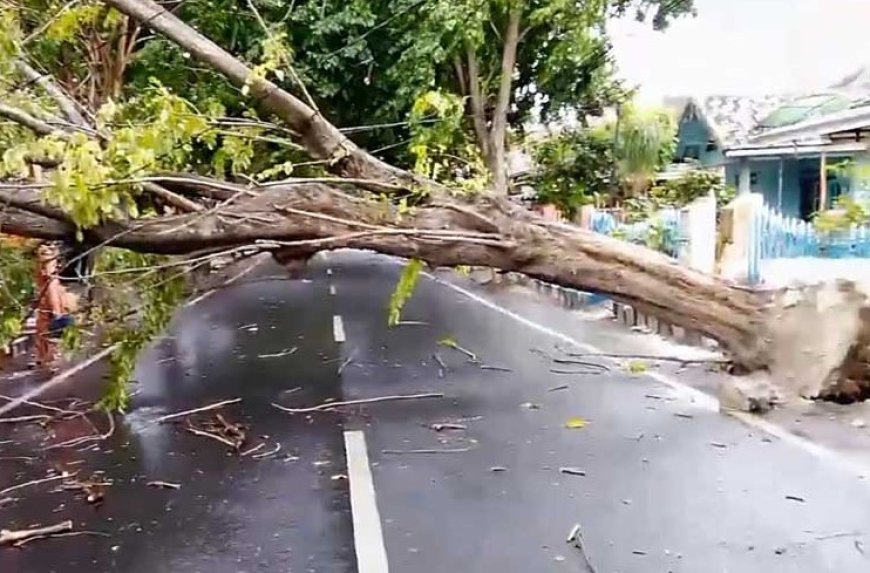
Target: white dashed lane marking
(332,290)
(368,537)
(338,328)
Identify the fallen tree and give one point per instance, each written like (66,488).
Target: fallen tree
(304,215)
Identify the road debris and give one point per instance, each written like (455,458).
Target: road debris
(347,362)
(572,471)
(330,405)
(13,537)
(442,368)
(270,453)
(440,427)
(218,429)
(530,406)
(496,368)
(575,536)
(450,342)
(576,423)
(719,445)
(184,413)
(638,552)
(93,488)
(498,469)
(595,366)
(254,449)
(163,484)
(682,415)
(61,476)
(795,498)
(285,352)
(557,388)
(443,451)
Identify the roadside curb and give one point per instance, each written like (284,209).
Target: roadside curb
(624,314)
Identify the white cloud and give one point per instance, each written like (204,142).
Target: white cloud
(747,46)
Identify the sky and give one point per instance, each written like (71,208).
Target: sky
(746,47)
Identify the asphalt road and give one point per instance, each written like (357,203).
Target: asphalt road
(667,484)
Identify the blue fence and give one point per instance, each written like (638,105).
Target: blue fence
(661,232)
(775,236)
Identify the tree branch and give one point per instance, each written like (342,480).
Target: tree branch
(67,105)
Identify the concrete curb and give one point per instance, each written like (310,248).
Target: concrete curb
(625,315)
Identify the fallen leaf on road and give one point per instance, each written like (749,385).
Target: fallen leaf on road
(637,367)
(576,423)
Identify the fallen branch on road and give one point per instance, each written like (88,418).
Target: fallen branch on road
(64,475)
(214,406)
(449,451)
(54,381)
(330,405)
(10,537)
(55,535)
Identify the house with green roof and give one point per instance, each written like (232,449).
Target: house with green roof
(792,149)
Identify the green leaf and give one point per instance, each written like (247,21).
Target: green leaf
(403,291)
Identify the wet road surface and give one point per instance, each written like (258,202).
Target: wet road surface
(667,484)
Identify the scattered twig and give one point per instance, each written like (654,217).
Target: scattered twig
(586,372)
(330,405)
(445,426)
(63,475)
(269,453)
(95,437)
(442,368)
(163,484)
(638,552)
(497,368)
(718,445)
(19,419)
(42,406)
(61,377)
(285,352)
(795,498)
(682,415)
(220,439)
(837,535)
(54,535)
(450,343)
(576,537)
(654,358)
(346,362)
(446,451)
(8,536)
(572,471)
(557,388)
(214,406)
(592,365)
(254,449)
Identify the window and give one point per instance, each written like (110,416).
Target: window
(691,152)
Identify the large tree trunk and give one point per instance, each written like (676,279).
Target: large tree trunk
(485,230)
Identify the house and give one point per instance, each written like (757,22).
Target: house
(795,150)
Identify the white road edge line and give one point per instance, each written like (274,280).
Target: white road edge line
(368,537)
(338,328)
(693,395)
(332,290)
